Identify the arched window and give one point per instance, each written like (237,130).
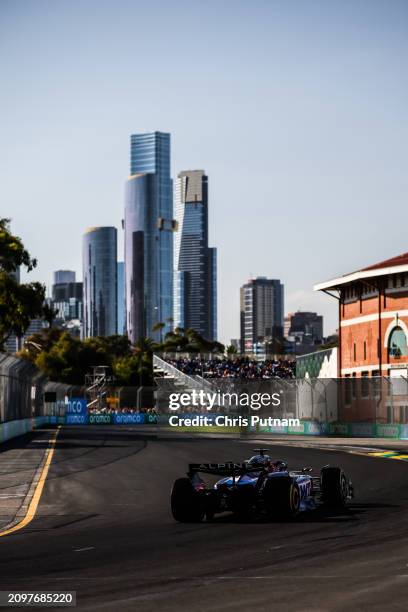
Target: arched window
(397,344)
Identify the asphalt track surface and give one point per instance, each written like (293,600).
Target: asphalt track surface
(104,529)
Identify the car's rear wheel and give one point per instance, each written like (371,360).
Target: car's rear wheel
(282,497)
(334,487)
(186,502)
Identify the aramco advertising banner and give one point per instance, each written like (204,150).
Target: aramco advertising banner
(76,412)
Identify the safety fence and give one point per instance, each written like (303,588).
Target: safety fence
(350,407)
(26,393)
(364,407)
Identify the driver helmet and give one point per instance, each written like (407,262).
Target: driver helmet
(260,460)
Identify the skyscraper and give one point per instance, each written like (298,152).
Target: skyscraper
(64,276)
(195,264)
(67,298)
(149,230)
(261,312)
(121,298)
(100,281)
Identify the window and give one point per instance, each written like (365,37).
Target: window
(403,414)
(355,351)
(397,344)
(365,350)
(354,386)
(347,390)
(365,384)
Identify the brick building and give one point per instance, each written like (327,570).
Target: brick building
(373,319)
(373,341)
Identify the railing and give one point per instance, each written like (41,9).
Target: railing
(192,382)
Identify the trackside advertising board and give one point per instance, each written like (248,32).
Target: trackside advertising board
(76,412)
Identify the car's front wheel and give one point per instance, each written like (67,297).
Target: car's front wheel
(186,502)
(282,497)
(334,487)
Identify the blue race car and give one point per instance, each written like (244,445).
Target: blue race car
(255,487)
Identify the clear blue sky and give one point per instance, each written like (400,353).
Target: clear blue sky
(297,111)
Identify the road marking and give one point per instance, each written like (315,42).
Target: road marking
(8,495)
(32,508)
(86,548)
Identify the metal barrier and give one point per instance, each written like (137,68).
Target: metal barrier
(366,406)
(23,389)
(192,382)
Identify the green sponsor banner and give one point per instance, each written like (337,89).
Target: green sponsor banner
(388,431)
(297,429)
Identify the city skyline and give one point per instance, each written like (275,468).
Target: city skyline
(303,130)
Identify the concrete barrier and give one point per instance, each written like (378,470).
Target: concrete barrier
(13,429)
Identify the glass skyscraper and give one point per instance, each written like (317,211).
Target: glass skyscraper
(149,230)
(100,281)
(121,298)
(195,286)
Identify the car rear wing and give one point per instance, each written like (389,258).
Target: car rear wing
(229,468)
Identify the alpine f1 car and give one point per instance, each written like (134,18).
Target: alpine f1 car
(258,486)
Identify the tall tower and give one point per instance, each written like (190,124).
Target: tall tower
(195,264)
(149,230)
(261,312)
(100,281)
(121,298)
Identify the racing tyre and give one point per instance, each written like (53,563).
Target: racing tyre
(186,504)
(334,487)
(282,497)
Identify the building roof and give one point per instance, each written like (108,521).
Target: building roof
(399,260)
(383,268)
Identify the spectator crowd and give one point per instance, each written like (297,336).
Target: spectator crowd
(241,368)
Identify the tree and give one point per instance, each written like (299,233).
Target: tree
(19,303)
(49,314)
(136,369)
(158,326)
(231,350)
(12,251)
(189,340)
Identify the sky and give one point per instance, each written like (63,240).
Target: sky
(296,110)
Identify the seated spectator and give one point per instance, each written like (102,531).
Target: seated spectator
(241,367)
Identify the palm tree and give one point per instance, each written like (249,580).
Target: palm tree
(143,351)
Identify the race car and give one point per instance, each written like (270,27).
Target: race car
(257,486)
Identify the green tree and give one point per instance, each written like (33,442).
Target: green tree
(136,369)
(12,251)
(231,350)
(19,303)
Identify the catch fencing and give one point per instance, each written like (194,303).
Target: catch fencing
(24,391)
(375,406)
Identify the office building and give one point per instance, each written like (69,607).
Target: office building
(261,316)
(149,227)
(306,325)
(63,276)
(100,281)
(121,298)
(195,282)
